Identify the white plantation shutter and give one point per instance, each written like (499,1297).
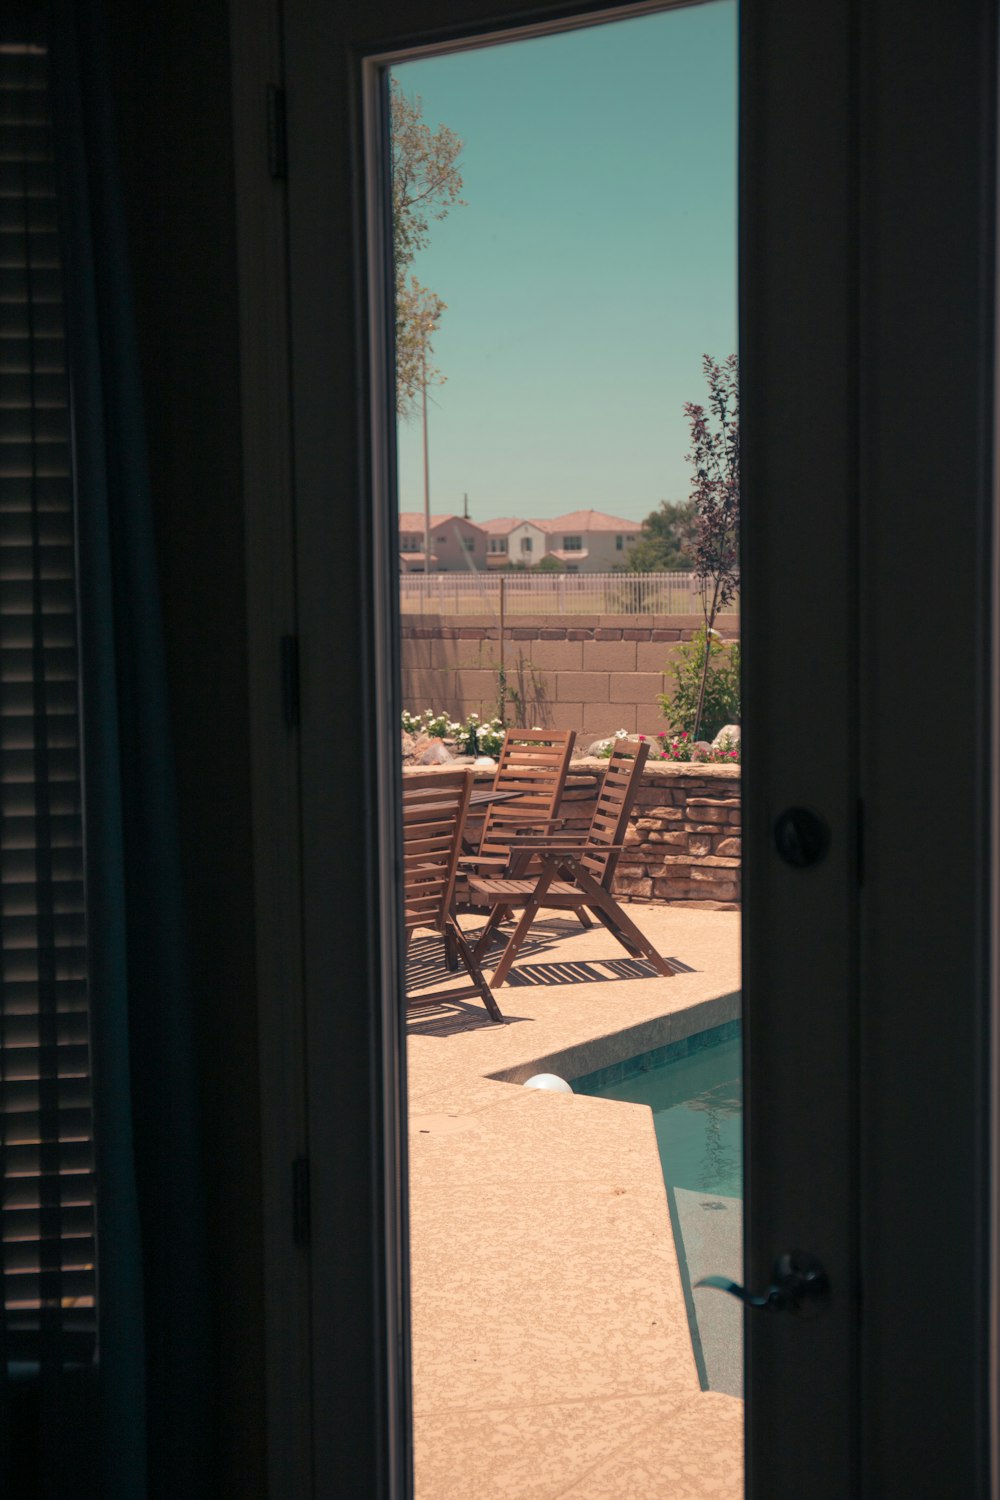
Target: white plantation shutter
(46,1148)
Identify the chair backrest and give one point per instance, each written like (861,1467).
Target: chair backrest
(434,808)
(533,762)
(614,804)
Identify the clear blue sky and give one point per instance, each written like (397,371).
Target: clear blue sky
(594,264)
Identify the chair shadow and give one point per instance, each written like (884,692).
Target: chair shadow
(426,966)
(442,1016)
(572,971)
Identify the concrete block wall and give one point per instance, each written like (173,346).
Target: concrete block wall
(591,673)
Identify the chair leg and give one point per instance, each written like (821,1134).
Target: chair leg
(450,948)
(485,933)
(529,914)
(608,912)
(583,918)
(475,973)
(616,932)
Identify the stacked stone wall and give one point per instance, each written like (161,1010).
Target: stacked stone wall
(683,843)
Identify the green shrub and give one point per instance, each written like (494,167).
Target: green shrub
(722,688)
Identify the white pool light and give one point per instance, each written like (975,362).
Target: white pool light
(549,1081)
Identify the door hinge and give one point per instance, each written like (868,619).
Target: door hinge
(301,1204)
(277,135)
(290,681)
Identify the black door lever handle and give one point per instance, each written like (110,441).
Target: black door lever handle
(800,1285)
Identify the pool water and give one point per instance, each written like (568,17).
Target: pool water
(695,1091)
(697,1104)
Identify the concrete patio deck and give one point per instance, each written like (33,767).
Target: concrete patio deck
(551,1349)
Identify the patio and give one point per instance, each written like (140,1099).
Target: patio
(551,1349)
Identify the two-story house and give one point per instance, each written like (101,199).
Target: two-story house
(513,540)
(455,543)
(589,541)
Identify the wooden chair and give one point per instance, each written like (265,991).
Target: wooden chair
(529,782)
(533,763)
(434,809)
(575,874)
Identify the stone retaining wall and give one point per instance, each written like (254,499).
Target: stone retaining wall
(591,673)
(683,843)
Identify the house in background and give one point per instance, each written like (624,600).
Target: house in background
(582,541)
(498,533)
(513,540)
(455,543)
(590,541)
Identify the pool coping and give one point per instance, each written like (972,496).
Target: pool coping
(580,1060)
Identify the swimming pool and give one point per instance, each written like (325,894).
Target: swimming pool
(695,1090)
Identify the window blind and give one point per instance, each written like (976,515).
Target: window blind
(46,1147)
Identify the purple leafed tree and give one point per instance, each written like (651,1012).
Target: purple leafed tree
(715,490)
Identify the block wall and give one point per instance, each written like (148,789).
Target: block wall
(591,673)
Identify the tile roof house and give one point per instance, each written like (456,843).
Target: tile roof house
(589,541)
(455,543)
(582,541)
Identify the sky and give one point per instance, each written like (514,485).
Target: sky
(592,266)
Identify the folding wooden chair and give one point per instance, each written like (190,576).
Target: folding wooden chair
(528,788)
(575,874)
(434,809)
(533,763)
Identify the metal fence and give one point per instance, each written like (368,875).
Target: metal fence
(550,594)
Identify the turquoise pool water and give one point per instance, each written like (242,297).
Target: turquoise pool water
(695,1090)
(696,1095)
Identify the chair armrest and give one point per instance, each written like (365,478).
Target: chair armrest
(497,861)
(543,845)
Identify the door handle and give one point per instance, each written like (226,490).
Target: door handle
(799,1284)
(801,838)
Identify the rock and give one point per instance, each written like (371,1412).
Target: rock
(727,732)
(700,749)
(600,745)
(436,754)
(408,743)
(485,762)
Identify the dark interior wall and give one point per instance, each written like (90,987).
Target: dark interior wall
(170,74)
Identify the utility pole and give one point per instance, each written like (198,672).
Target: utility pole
(427,466)
(465,511)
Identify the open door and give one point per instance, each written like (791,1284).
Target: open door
(866,295)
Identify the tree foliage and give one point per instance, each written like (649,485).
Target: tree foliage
(700,703)
(666,544)
(715,491)
(715,456)
(426,184)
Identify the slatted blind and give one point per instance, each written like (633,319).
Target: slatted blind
(46,1152)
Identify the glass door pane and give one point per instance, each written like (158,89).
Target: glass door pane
(564,224)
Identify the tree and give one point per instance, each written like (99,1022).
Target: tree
(667,541)
(715,455)
(426,184)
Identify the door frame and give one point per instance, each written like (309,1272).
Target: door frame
(831,137)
